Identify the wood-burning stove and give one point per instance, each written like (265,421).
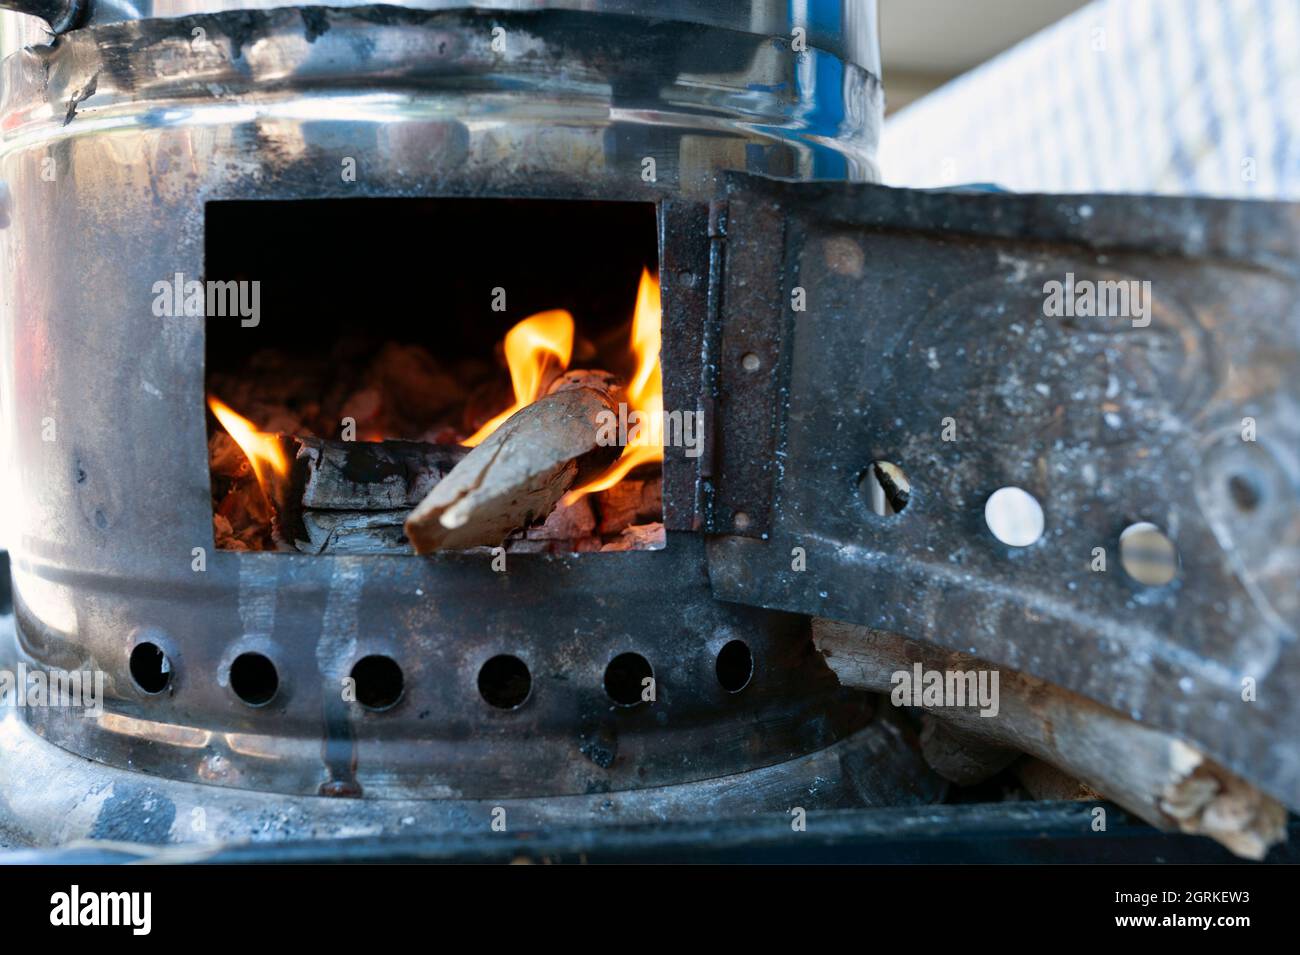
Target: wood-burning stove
(816,324)
(194,146)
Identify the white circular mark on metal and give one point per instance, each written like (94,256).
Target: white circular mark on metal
(1014,516)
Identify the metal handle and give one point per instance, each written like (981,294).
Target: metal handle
(61,15)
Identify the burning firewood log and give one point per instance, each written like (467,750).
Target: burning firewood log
(1047,783)
(519,473)
(959,757)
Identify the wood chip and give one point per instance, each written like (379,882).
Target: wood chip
(566,523)
(639,537)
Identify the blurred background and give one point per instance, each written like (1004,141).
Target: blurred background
(1173,97)
(926,43)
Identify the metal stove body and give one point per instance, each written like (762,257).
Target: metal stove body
(117,135)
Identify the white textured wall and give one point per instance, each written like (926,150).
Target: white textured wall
(1165,96)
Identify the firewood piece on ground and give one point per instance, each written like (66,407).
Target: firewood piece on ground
(517,475)
(1152,774)
(1045,782)
(367,475)
(959,758)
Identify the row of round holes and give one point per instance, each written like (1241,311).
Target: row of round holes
(503,681)
(1015,517)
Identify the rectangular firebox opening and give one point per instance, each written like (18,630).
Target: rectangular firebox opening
(358,351)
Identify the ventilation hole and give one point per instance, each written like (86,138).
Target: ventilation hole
(624,678)
(253,678)
(505,682)
(887,488)
(1147,555)
(1014,516)
(1244,492)
(735,666)
(378,681)
(150,668)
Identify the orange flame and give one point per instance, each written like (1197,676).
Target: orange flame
(531,346)
(264,452)
(645,392)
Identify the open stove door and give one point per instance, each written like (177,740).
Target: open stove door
(1121,359)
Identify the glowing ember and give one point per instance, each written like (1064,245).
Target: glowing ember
(540,343)
(263,451)
(537,351)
